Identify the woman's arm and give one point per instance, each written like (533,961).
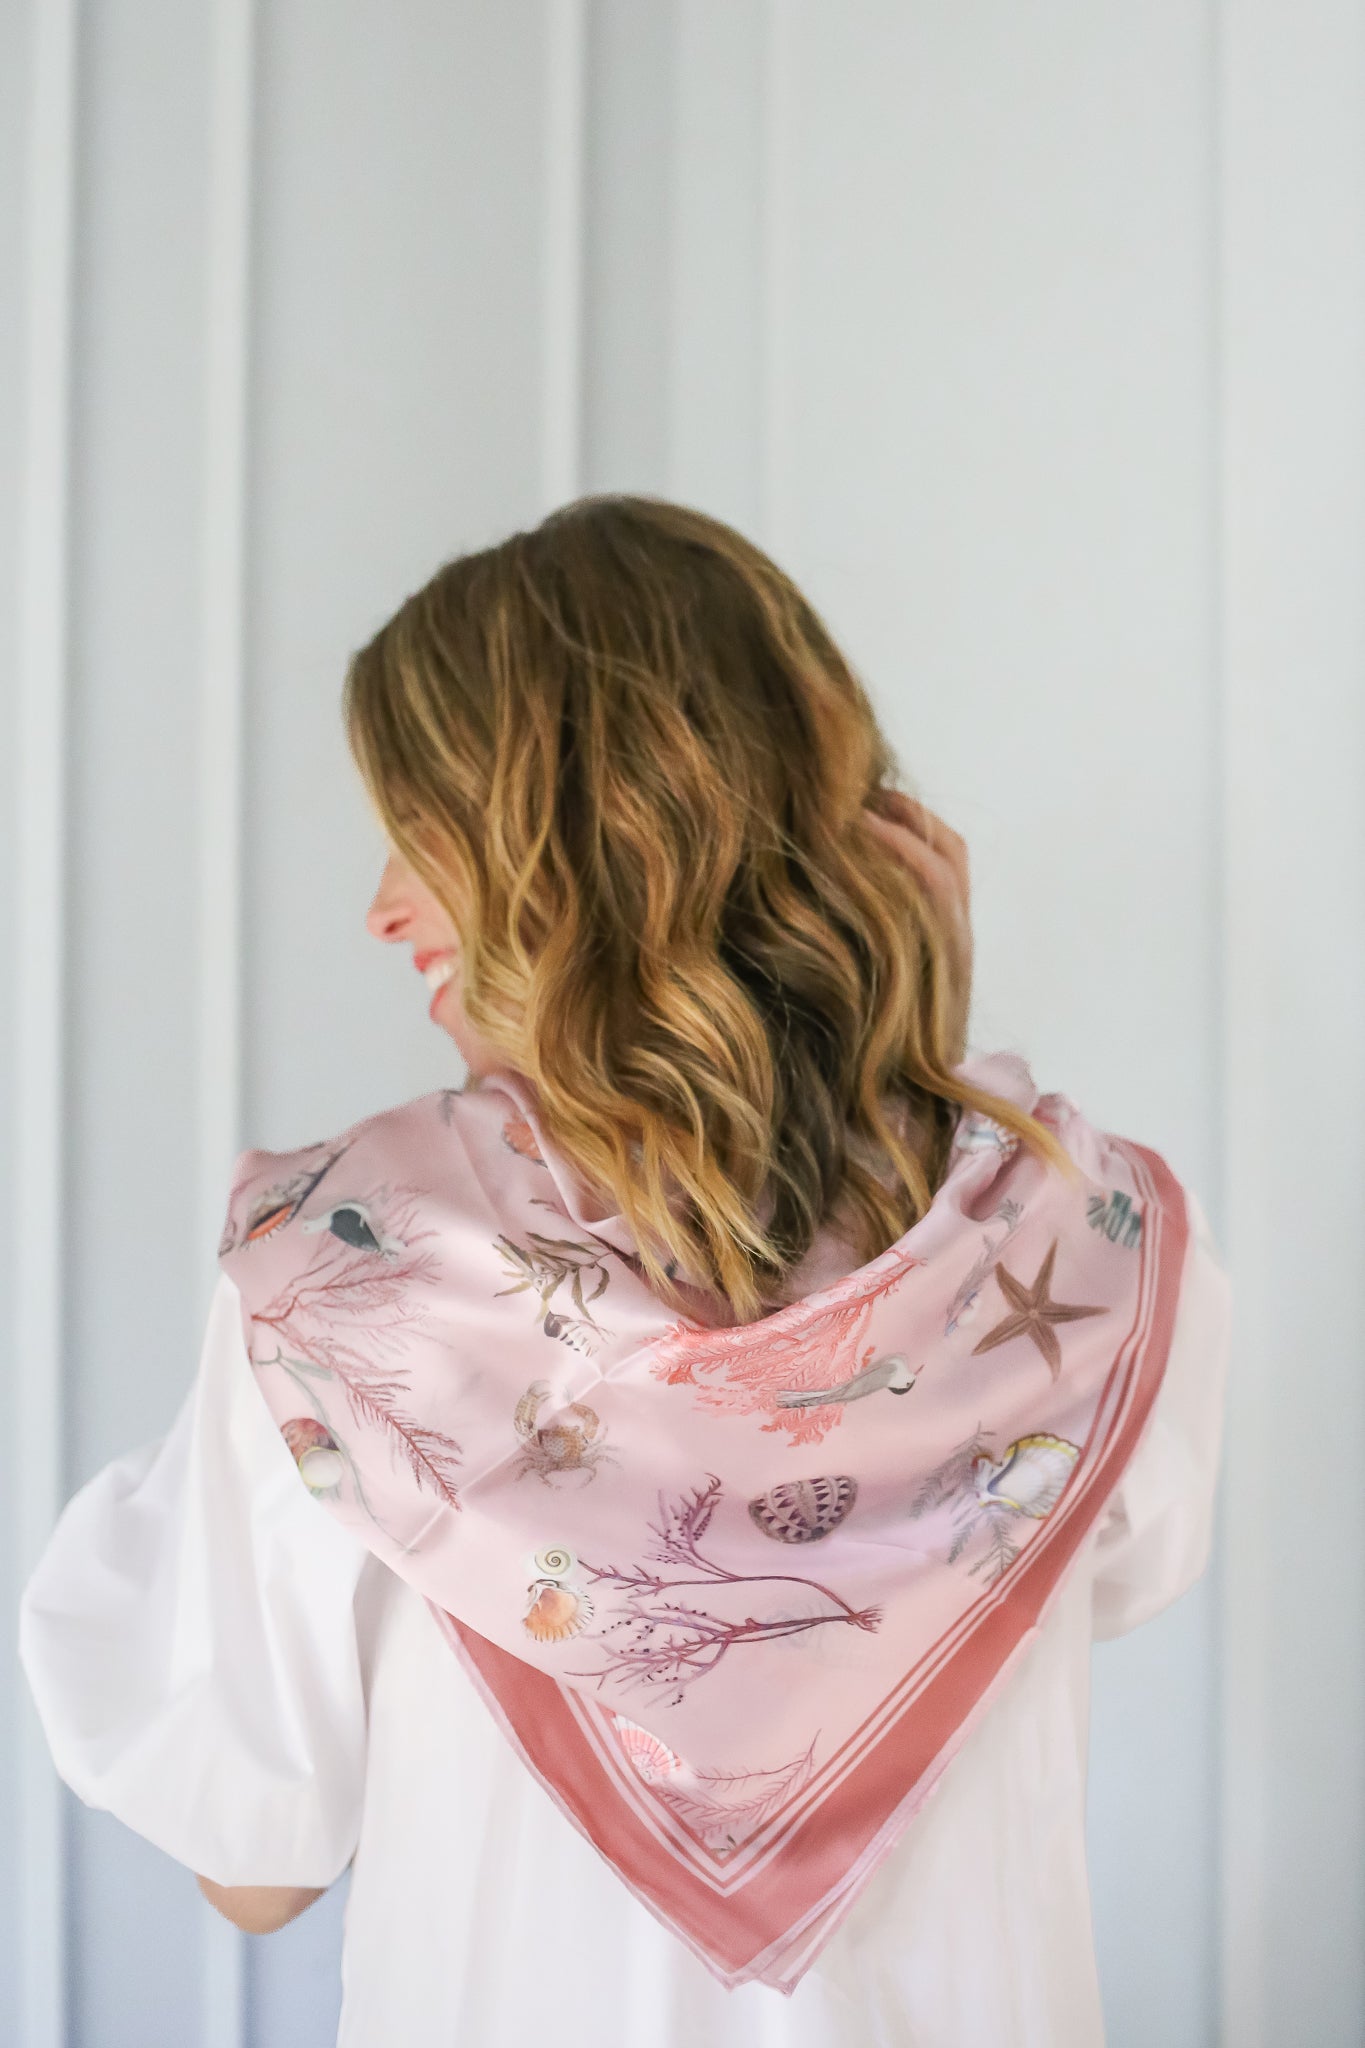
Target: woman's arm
(259,1908)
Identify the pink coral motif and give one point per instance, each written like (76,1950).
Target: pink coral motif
(813,1345)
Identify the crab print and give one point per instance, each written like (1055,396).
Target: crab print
(575,1443)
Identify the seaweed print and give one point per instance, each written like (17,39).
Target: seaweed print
(799,1376)
(1119,1218)
(544,1264)
(547,1449)
(997,1497)
(722,1809)
(964,1304)
(662,1636)
(337,1320)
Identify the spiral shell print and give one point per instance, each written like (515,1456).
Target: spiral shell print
(554,1562)
(556,1612)
(804,1510)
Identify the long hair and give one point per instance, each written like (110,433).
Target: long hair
(625,755)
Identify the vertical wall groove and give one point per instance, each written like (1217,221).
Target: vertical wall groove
(774,494)
(226,395)
(40,967)
(1248,1458)
(562,394)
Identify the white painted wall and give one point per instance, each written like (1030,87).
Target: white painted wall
(1030,340)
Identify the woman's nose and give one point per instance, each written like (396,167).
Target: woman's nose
(388,915)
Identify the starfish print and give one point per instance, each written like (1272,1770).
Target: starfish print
(1034,1313)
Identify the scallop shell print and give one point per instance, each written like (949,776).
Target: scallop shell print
(315,1452)
(804,1510)
(650,1758)
(556,1611)
(1029,1477)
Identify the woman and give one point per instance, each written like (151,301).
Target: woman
(723,1425)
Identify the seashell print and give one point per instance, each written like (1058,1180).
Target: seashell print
(555,1613)
(321,1465)
(978,1133)
(1029,1477)
(554,1563)
(804,1510)
(650,1758)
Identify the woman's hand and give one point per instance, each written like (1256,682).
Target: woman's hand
(259,1908)
(938,856)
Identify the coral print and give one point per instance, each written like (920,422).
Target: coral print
(800,1374)
(1034,1313)
(1118,1216)
(576,1445)
(992,1497)
(543,1265)
(723,1809)
(344,1320)
(664,1635)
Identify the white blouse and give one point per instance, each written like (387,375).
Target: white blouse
(224,1667)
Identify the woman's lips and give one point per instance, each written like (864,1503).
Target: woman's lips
(436,970)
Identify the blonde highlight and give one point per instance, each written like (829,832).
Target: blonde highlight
(626,756)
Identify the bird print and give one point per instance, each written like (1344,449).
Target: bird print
(354,1224)
(1034,1313)
(891,1372)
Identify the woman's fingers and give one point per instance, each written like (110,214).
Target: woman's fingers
(936,873)
(912,826)
(938,856)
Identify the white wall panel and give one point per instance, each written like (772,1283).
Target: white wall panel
(396,420)
(1029,340)
(131,1264)
(37,534)
(1292,420)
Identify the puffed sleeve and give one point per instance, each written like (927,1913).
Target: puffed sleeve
(1157,1530)
(189,1639)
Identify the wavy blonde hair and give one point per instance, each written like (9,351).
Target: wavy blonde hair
(626,756)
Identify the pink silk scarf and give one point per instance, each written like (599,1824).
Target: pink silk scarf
(736,1594)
